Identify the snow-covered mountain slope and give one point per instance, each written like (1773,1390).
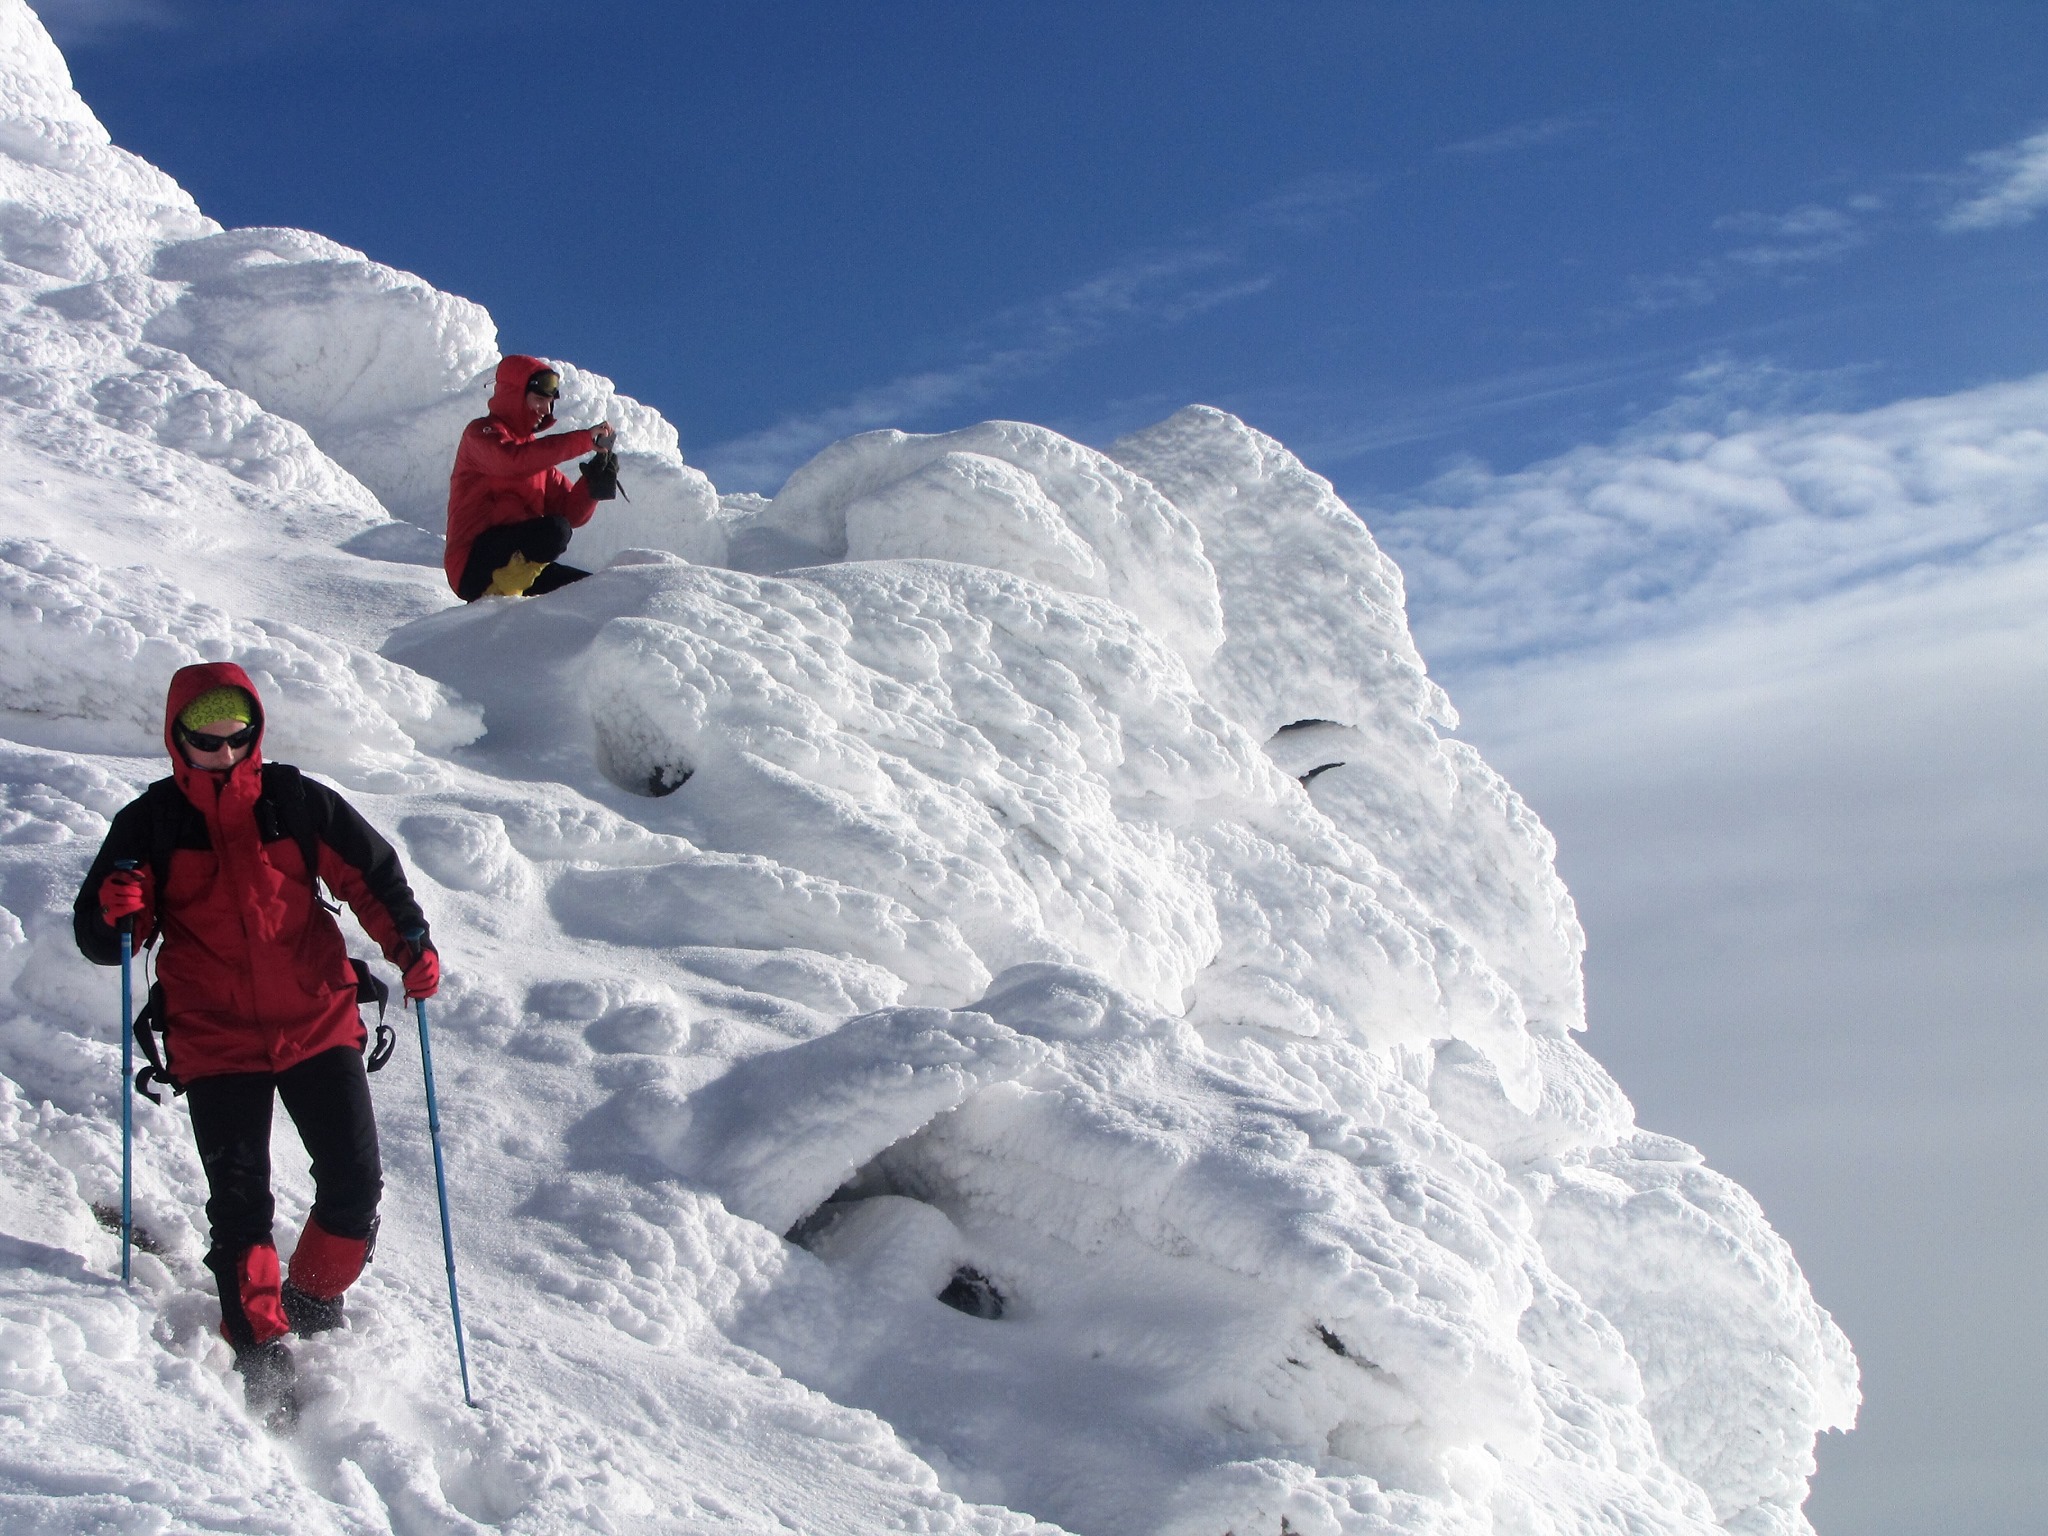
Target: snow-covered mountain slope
(992,868)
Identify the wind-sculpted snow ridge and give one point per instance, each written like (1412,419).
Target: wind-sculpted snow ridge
(980,996)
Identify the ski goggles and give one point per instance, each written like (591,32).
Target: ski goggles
(205,743)
(546,383)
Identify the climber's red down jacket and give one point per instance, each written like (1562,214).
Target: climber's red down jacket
(256,977)
(504,473)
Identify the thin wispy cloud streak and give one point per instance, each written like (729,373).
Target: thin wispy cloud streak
(82,23)
(1155,289)
(1421,417)
(2012,187)
(1780,247)
(1161,291)
(1807,235)
(1519,136)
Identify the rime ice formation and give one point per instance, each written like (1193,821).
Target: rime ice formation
(991,868)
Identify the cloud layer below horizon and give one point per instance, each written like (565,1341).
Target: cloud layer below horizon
(1779,685)
(1676,525)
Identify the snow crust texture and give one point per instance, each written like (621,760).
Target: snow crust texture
(981,995)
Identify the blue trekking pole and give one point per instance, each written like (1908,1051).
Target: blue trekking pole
(127,1090)
(441,1187)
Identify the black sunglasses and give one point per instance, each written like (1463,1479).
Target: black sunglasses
(199,743)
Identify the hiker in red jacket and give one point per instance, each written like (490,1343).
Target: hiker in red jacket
(258,997)
(510,510)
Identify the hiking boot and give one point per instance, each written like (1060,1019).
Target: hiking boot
(309,1314)
(517,574)
(270,1385)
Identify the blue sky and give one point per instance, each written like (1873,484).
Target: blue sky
(1609,317)
(1390,234)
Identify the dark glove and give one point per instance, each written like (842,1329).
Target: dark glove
(422,964)
(126,893)
(601,475)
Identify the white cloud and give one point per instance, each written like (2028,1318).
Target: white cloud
(2013,186)
(81,23)
(1517,136)
(2006,186)
(1783,245)
(1808,234)
(1674,525)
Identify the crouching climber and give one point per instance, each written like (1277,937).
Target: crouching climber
(510,510)
(218,865)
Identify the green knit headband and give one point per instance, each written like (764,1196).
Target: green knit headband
(216,705)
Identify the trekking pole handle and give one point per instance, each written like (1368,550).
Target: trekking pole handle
(127,924)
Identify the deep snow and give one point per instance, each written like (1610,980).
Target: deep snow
(990,855)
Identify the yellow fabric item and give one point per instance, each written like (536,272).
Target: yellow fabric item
(218,704)
(517,574)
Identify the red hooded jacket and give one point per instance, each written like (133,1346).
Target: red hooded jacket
(255,975)
(505,473)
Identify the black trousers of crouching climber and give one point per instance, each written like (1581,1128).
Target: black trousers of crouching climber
(539,539)
(328,1098)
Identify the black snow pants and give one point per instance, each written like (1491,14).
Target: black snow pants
(328,1098)
(539,539)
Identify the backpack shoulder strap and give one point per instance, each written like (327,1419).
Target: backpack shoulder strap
(285,787)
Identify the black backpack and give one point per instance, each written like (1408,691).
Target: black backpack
(284,792)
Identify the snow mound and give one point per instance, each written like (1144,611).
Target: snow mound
(314,330)
(1007,496)
(980,991)
(1025,774)
(1318,663)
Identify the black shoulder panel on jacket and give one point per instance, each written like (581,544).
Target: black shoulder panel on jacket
(132,836)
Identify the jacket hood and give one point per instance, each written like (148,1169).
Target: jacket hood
(508,399)
(187,683)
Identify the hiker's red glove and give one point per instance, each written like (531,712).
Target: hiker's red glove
(422,970)
(126,893)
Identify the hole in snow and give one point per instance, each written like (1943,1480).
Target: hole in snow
(1340,1349)
(1301,725)
(639,757)
(972,1292)
(1319,768)
(663,779)
(810,1228)
(878,1176)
